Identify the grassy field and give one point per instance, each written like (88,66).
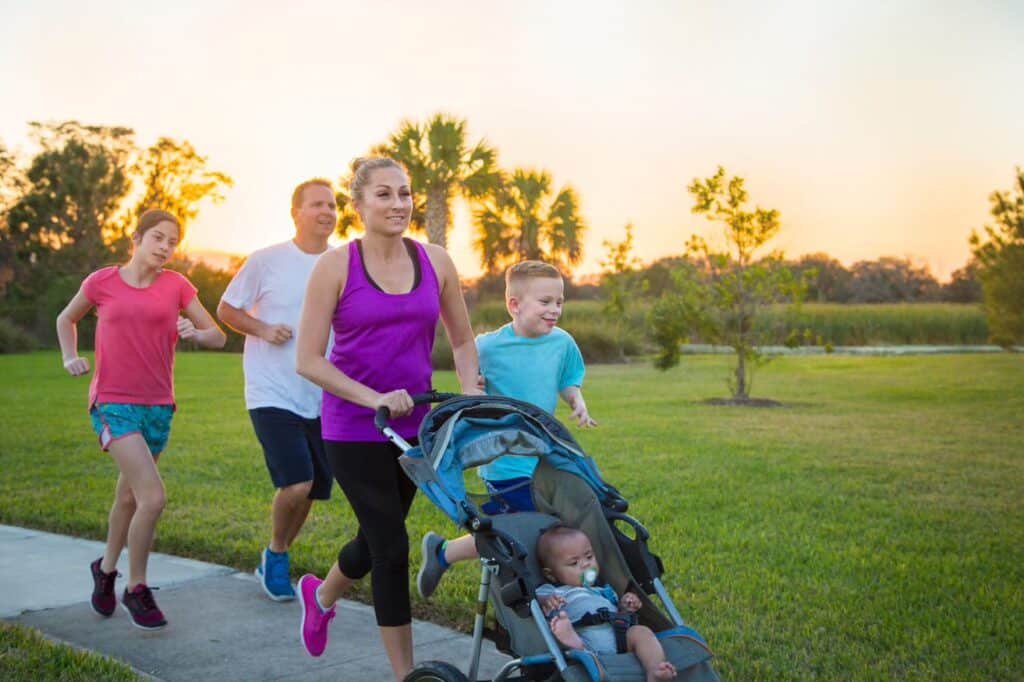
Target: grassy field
(26,655)
(873,529)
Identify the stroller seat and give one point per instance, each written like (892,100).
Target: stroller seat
(509,543)
(468,431)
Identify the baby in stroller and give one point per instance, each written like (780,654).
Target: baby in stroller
(571,600)
(465,432)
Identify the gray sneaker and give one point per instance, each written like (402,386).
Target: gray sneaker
(430,568)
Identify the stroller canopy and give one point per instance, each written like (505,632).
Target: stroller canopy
(469,431)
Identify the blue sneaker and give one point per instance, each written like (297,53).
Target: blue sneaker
(273,575)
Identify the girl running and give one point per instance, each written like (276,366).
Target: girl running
(131,397)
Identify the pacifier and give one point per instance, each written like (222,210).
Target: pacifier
(588,577)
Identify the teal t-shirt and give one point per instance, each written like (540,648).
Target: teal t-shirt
(530,369)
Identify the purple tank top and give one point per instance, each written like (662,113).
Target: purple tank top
(383,341)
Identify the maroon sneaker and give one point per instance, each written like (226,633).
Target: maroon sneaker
(103,599)
(139,603)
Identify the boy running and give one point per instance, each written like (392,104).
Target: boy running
(528,359)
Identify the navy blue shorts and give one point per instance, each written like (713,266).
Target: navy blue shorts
(509,495)
(293,449)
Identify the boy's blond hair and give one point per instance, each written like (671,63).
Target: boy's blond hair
(519,274)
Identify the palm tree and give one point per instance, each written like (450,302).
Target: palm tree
(348,224)
(441,165)
(524,219)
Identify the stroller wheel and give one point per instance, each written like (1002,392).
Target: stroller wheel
(435,671)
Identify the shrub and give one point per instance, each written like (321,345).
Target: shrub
(602,343)
(14,339)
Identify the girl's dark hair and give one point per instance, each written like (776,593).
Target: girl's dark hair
(153,217)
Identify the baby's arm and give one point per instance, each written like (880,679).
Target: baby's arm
(630,602)
(550,601)
(573,396)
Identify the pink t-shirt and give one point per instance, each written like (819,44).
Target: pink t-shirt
(135,336)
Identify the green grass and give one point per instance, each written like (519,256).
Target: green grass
(873,529)
(26,655)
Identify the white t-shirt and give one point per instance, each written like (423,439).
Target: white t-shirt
(271,286)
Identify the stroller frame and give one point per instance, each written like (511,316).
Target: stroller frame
(499,549)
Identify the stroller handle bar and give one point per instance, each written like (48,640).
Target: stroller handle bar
(383,414)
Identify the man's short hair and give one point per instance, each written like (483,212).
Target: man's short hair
(301,188)
(522,272)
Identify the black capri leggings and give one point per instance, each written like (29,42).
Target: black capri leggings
(380,495)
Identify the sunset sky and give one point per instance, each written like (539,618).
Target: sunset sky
(876,128)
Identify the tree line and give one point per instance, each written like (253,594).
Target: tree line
(885,280)
(69,209)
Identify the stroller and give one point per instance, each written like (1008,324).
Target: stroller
(468,431)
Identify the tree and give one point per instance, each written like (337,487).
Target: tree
(963,285)
(620,280)
(348,219)
(719,301)
(1000,258)
(828,280)
(71,208)
(11,178)
(441,165)
(526,220)
(12,183)
(659,276)
(72,194)
(175,178)
(892,280)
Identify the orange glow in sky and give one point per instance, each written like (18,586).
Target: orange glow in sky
(875,128)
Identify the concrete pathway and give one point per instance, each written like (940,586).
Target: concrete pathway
(221,626)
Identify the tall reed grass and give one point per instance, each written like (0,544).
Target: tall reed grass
(605,338)
(881,324)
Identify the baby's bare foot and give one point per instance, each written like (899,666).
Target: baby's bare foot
(564,632)
(663,671)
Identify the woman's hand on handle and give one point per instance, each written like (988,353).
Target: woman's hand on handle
(399,403)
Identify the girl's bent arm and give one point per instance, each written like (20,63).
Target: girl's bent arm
(456,322)
(67,333)
(207,333)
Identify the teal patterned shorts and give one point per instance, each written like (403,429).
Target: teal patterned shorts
(112,421)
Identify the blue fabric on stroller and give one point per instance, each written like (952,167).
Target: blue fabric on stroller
(468,431)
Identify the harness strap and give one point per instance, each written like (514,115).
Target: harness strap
(620,622)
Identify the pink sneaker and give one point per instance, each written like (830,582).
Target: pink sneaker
(314,619)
